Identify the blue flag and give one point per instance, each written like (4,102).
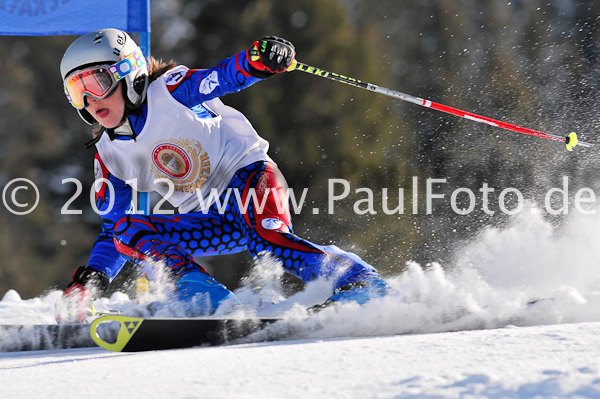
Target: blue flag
(72,17)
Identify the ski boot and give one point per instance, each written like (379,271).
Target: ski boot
(360,291)
(201,292)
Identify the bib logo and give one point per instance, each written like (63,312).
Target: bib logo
(171,160)
(29,8)
(184,162)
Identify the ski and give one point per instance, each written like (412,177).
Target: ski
(14,338)
(135,334)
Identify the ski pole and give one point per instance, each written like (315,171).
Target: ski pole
(570,140)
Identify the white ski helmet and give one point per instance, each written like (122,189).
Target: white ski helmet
(106,47)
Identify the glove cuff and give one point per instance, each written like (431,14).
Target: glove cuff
(255,65)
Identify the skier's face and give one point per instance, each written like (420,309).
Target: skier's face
(108,111)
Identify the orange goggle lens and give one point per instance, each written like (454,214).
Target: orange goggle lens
(97,82)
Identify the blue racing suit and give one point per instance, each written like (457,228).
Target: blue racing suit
(263,226)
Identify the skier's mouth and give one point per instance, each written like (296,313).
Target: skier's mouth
(102,113)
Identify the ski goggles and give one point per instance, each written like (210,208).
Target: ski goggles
(99,81)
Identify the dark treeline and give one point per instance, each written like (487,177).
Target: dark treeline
(530,63)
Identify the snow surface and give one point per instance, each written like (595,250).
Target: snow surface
(516,315)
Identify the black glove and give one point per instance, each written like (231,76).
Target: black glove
(270,55)
(95,280)
(87,284)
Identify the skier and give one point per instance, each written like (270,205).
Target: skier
(162,128)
